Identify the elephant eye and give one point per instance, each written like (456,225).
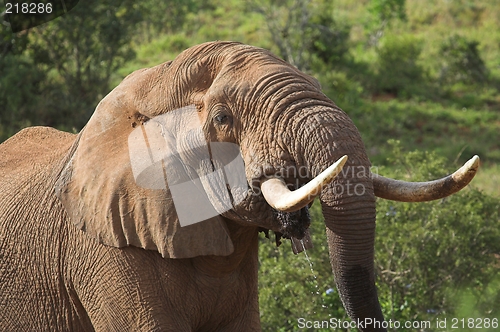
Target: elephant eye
(221,118)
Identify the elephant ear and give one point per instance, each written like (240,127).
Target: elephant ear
(100,193)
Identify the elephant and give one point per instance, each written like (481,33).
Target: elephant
(91,228)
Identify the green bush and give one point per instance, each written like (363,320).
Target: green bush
(398,70)
(330,40)
(462,62)
(433,260)
(291,286)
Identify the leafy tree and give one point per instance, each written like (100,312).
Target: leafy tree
(330,39)
(164,17)
(20,83)
(84,47)
(288,24)
(383,13)
(56,73)
(301,29)
(11,43)
(387,10)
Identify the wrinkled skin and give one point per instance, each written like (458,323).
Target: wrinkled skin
(74,224)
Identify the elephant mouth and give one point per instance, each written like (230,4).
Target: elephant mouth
(294,224)
(290,208)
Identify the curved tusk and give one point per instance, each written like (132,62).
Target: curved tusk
(283,199)
(426,191)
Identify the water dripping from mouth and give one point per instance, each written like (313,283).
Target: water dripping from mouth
(316,284)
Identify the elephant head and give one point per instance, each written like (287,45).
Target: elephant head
(179,122)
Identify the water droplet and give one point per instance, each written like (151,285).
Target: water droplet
(316,284)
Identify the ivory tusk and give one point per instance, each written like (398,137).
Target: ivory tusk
(426,191)
(283,199)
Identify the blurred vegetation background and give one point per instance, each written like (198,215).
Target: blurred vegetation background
(420,79)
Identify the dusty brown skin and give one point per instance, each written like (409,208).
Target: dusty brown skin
(74,225)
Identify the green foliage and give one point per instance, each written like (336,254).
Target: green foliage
(226,20)
(288,23)
(433,260)
(398,70)
(11,43)
(304,30)
(431,256)
(159,50)
(462,62)
(84,53)
(383,13)
(21,83)
(452,130)
(345,92)
(165,17)
(488,179)
(55,74)
(386,10)
(329,38)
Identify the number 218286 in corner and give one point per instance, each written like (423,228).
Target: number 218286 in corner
(28,8)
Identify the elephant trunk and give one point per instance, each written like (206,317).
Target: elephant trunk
(350,229)
(348,203)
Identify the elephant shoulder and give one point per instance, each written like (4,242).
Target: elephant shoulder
(34,146)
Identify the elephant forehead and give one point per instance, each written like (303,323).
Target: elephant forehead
(255,84)
(228,88)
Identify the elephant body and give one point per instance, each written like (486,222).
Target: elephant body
(91,236)
(59,279)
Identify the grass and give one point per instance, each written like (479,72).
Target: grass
(457,133)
